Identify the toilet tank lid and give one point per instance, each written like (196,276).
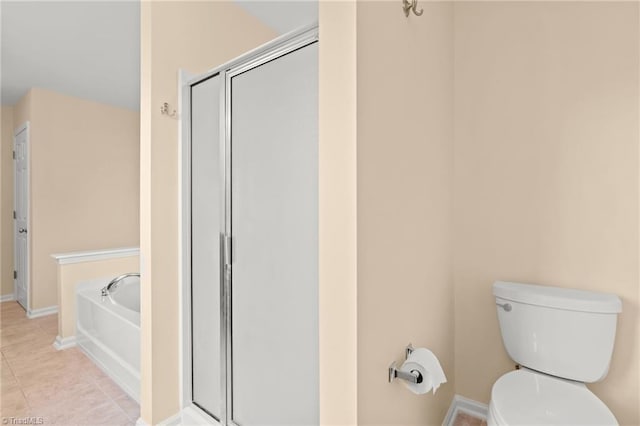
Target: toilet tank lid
(558,297)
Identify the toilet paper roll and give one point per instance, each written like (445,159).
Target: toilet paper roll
(424,361)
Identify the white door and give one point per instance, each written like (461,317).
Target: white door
(21,208)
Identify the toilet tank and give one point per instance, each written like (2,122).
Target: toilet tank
(559,331)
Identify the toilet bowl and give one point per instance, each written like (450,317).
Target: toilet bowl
(525,397)
(562,338)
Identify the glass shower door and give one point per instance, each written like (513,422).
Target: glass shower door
(207,222)
(251,302)
(274,226)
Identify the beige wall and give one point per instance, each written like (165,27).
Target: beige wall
(493,140)
(546,173)
(84,182)
(337,182)
(405,162)
(196,36)
(6,200)
(22,110)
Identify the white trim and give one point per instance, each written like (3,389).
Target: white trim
(64,343)
(8,297)
(184,307)
(20,128)
(266,48)
(93,255)
(467,406)
(36,313)
(192,415)
(175,420)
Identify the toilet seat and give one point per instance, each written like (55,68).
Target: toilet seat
(524,397)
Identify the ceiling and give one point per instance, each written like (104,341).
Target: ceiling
(91,49)
(86,49)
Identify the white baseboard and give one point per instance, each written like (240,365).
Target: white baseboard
(35,313)
(194,416)
(7,297)
(170,421)
(64,343)
(467,406)
(174,420)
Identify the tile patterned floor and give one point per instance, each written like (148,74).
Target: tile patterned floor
(464,419)
(60,387)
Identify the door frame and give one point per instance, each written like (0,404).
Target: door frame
(287,43)
(25,127)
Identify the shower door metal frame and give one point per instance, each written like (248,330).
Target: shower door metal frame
(279,47)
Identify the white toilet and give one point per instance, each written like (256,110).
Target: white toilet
(562,338)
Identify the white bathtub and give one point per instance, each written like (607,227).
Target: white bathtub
(108,330)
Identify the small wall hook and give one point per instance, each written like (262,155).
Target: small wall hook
(164,109)
(411,5)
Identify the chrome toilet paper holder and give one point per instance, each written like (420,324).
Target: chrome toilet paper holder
(411,377)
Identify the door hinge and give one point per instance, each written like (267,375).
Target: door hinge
(15,275)
(14,215)
(14,155)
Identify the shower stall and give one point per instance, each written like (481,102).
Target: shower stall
(250,238)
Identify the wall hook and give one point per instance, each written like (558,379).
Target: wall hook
(164,109)
(412,5)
